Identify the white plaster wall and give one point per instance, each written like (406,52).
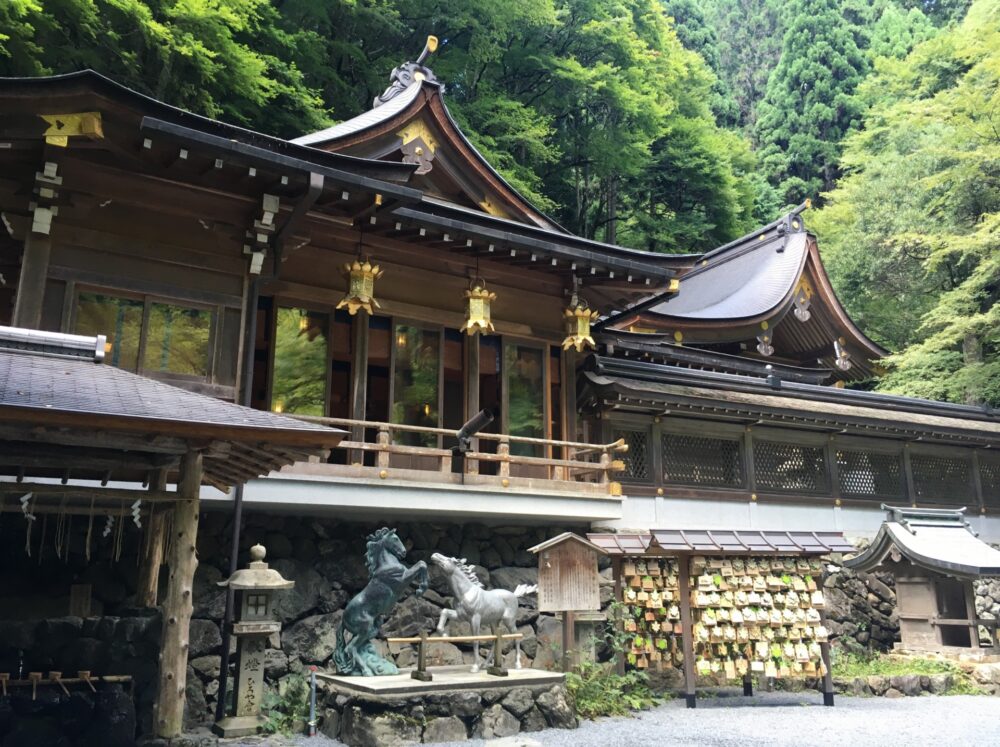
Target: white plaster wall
(641,513)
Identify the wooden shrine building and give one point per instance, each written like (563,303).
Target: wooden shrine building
(381,278)
(934,557)
(66,414)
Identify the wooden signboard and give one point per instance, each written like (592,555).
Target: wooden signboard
(567,574)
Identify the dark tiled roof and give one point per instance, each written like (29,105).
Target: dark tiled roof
(56,398)
(75,385)
(722,541)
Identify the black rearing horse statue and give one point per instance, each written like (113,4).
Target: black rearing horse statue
(363,617)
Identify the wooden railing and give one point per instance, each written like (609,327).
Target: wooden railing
(560,462)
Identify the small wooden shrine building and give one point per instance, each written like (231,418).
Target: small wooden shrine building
(66,415)
(934,556)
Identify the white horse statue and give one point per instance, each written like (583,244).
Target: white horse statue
(480,606)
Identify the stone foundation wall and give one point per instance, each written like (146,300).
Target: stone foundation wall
(449,716)
(861,611)
(324,557)
(987,598)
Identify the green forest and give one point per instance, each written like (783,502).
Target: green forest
(666,125)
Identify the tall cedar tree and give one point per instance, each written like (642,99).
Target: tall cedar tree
(809,104)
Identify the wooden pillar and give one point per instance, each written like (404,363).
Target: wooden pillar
(472,408)
(31,284)
(168,713)
(616,575)
(359,379)
(568,639)
(149,571)
(687,629)
(824,652)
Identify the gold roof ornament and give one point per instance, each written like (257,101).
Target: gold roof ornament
(361,277)
(578,317)
(843,358)
(764,346)
(477,308)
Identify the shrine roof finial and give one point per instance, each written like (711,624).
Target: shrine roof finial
(405,75)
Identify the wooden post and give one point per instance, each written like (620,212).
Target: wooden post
(687,633)
(359,379)
(421,673)
(31,284)
(472,353)
(168,713)
(569,639)
(149,571)
(616,575)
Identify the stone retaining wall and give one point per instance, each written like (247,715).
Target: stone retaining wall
(446,716)
(861,610)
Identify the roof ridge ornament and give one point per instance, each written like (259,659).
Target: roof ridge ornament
(405,75)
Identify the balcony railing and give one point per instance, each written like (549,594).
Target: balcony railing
(378,451)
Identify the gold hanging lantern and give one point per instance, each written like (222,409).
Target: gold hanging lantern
(361,277)
(477,308)
(578,317)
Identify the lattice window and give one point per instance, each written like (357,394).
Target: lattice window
(637,457)
(788,467)
(702,461)
(989,475)
(943,479)
(870,474)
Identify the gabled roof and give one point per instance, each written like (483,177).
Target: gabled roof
(749,289)
(411,122)
(566,537)
(935,539)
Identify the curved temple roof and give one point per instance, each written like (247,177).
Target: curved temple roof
(751,287)
(935,539)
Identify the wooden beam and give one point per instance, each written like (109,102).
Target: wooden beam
(149,570)
(359,376)
(87,492)
(80,457)
(34,433)
(168,711)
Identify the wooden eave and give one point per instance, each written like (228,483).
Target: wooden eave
(640,387)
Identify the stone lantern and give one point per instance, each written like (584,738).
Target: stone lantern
(254,587)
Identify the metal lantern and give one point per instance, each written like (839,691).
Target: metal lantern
(477,308)
(578,317)
(361,277)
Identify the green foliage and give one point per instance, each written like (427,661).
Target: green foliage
(300,359)
(287,708)
(599,691)
(922,202)
(847,665)
(808,106)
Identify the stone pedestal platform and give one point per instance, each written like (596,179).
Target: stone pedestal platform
(455,705)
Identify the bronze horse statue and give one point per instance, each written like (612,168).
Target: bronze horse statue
(364,615)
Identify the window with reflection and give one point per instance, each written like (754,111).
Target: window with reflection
(299,377)
(416,382)
(119,320)
(146,336)
(524,366)
(177,340)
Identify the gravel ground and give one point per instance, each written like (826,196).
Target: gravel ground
(770,720)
